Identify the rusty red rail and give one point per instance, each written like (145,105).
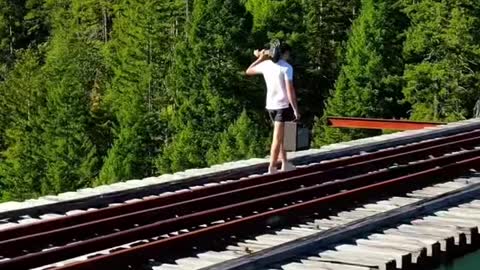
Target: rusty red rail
(14,245)
(120,259)
(370,123)
(226,201)
(243,208)
(105,213)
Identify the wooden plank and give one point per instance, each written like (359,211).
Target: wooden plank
(432,247)
(401,201)
(463,213)
(343,220)
(451,217)
(192,262)
(268,242)
(470,230)
(253,247)
(453,184)
(167,266)
(355,215)
(327,223)
(299,266)
(275,238)
(403,259)
(435,232)
(334,266)
(447,243)
(416,252)
(380,207)
(372,210)
(217,256)
(350,258)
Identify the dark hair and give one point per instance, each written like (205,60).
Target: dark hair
(284,47)
(278,48)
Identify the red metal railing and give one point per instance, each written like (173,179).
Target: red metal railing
(369,123)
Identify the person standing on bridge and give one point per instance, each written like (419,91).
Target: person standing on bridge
(281,98)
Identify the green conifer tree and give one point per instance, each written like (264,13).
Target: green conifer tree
(72,66)
(22,163)
(205,83)
(243,139)
(328,24)
(23,25)
(369,84)
(138,55)
(442,51)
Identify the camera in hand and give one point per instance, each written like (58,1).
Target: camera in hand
(273,51)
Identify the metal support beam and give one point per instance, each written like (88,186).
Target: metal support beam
(369,123)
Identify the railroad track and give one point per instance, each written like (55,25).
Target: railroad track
(191,221)
(421,241)
(90,199)
(360,238)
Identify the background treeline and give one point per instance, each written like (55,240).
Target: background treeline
(99,91)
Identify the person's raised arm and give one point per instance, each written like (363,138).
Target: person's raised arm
(253,68)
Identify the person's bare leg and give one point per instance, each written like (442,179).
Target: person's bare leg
(278,131)
(286,166)
(283,154)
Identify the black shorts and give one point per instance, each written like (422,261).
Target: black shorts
(282,115)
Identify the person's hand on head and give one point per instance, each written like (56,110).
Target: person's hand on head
(263,54)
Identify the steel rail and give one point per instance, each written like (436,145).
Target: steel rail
(371,123)
(13,246)
(123,258)
(57,223)
(225,212)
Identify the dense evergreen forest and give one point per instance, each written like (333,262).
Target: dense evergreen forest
(99,91)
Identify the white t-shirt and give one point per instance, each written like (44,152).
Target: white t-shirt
(276,77)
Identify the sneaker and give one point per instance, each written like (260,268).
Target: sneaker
(272,170)
(288,167)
